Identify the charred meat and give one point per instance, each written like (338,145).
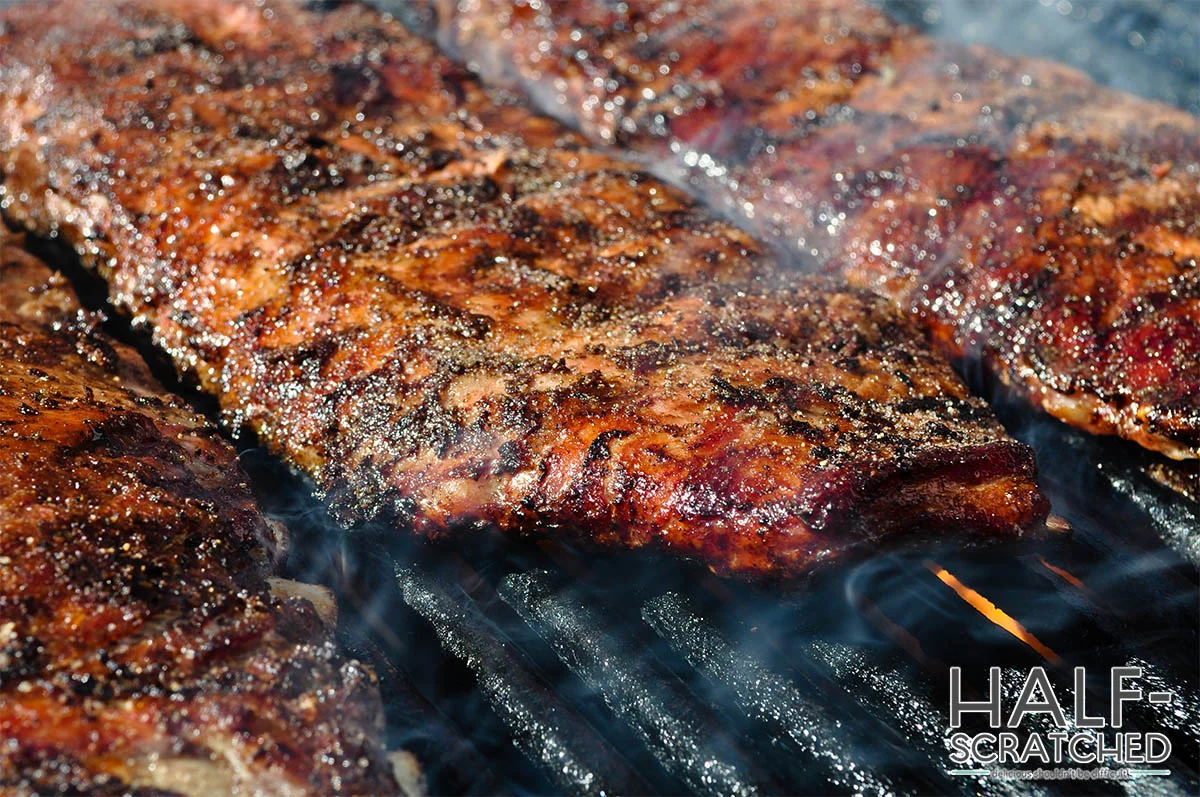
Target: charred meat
(140,645)
(1041,229)
(455,316)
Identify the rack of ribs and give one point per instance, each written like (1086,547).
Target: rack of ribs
(455,316)
(1042,230)
(141,646)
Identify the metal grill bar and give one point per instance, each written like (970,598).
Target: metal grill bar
(570,752)
(1121,469)
(1177,522)
(417,726)
(681,735)
(827,743)
(892,695)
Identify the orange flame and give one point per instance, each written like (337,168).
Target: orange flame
(1063,574)
(994,614)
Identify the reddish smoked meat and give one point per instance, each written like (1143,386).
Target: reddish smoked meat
(455,316)
(140,645)
(1037,226)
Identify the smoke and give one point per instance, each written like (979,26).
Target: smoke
(1146,47)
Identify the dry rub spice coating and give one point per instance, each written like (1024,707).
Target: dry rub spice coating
(1038,227)
(140,646)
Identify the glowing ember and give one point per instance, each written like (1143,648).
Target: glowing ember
(992,612)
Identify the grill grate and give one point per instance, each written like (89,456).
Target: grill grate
(682,735)
(614,673)
(543,727)
(829,744)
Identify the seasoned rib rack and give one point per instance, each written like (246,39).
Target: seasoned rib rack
(1043,230)
(140,645)
(453,315)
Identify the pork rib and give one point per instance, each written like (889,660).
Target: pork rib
(455,316)
(140,646)
(1040,228)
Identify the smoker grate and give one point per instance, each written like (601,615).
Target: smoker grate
(681,734)
(543,727)
(828,743)
(568,671)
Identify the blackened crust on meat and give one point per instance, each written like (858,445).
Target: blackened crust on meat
(455,316)
(139,645)
(1036,225)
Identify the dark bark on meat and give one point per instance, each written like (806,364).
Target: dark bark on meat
(1037,226)
(140,647)
(455,316)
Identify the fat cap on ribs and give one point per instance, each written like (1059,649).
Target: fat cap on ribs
(1043,230)
(454,315)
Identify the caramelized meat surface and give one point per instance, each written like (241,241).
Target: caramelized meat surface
(140,647)
(1041,229)
(455,316)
